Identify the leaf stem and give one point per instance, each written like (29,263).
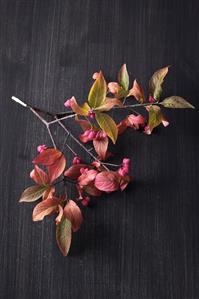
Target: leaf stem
(79,143)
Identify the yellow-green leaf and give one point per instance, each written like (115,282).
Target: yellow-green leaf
(156,118)
(176,102)
(155,83)
(33,193)
(64,235)
(97,94)
(123,77)
(108,125)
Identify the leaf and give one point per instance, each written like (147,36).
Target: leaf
(39,176)
(155,83)
(73,213)
(80,110)
(108,125)
(84,124)
(107,181)
(33,193)
(47,157)
(60,214)
(73,172)
(155,117)
(44,208)
(137,92)
(92,190)
(86,177)
(123,77)
(97,94)
(64,235)
(56,169)
(176,102)
(101,147)
(109,104)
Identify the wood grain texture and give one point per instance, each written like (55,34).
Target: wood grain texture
(143,243)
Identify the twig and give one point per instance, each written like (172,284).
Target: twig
(34,111)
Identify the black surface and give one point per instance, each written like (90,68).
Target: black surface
(140,244)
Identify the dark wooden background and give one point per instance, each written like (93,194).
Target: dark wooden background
(140,244)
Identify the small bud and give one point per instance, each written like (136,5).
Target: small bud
(76,160)
(95,75)
(41,148)
(113,87)
(85,201)
(92,135)
(151,99)
(83,170)
(67,103)
(91,114)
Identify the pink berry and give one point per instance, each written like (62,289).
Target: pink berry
(151,99)
(91,114)
(126,161)
(41,148)
(85,201)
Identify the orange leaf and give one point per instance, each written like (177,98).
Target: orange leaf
(73,213)
(44,208)
(47,157)
(56,169)
(137,92)
(108,104)
(80,110)
(39,176)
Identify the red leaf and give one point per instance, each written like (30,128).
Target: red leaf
(57,168)
(39,176)
(92,190)
(101,147)
(44,208)
(49,193)
(47,157)
(87,177)
(107,181)
(74,171)
(73,213)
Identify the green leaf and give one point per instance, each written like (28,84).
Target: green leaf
(33,193)
(176,102)
(97,94)
(155,83)
(64,235)
(108,125)
(123,77)
(155,117)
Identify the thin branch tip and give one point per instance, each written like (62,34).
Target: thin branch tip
(19,101)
